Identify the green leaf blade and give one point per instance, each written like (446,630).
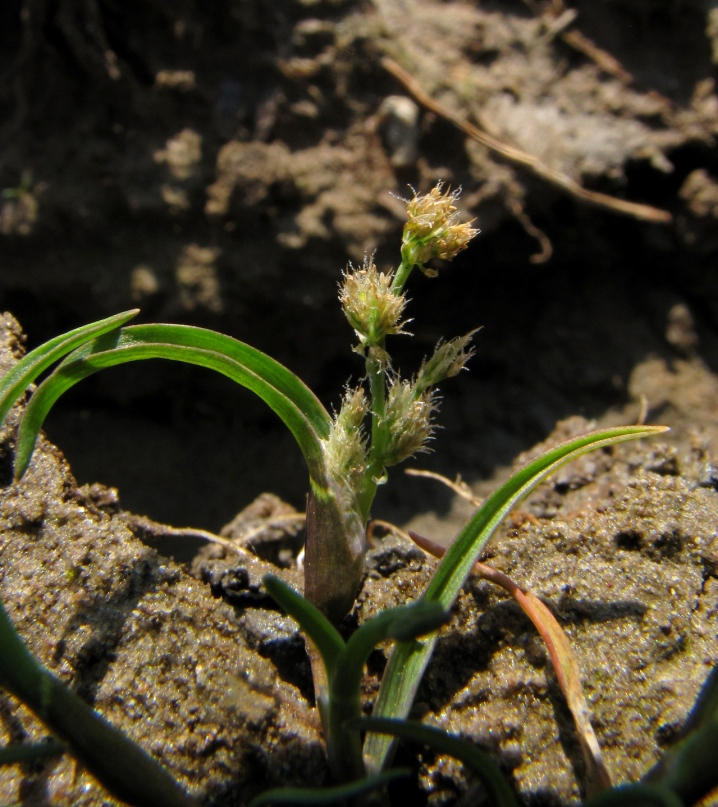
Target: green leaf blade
(320,630)
(31,752)
(328,795)
(24,373)
(283,392)
(456,565)
(408,661)
(636,796)
(499,790)
(404,623)
(272,373)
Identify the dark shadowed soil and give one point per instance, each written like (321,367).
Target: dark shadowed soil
(218,164)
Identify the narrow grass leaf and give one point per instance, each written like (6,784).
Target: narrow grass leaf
(328,795)
(564,662)
(268,371)
(24,373)
(454,569)
(498,789)
(636,796)
(284,393)
(31,752)
(320,630)
(405,623)
(417,619)
(408,661)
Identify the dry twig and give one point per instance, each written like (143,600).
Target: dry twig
(523,158)
(459,486)
(558,18)
(152,529)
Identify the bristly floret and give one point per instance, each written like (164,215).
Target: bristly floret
(409,417)
(433,229)
(449,359)
(346,448)
(371,308)
(411,405)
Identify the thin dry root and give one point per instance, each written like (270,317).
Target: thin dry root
(546,249)
(524,159)
(458,486)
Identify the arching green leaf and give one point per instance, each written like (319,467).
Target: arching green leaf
(285,394)
(24,373)
(408,660)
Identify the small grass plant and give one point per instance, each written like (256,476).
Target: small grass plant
(383,420)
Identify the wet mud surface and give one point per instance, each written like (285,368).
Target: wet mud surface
(219,166)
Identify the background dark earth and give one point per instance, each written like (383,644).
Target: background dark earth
(220,163)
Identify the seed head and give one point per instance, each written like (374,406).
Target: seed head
(433,229)
(409,416)
(371,308)
(448,360)
(346,448)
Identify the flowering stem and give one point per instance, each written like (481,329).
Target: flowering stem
(402,273)
(401,411)
(376,362)
(375,472)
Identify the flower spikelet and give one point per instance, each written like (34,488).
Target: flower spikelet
(346,448)
(433,229)
(372,309)
(409,416)
(449,359)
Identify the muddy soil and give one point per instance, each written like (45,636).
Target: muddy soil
(219,166)
(197,666)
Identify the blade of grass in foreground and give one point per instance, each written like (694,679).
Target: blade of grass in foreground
(31,752)
(408,661)
(637,796)
(328,795)
(498,789)
(122,767)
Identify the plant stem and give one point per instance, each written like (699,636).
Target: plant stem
(376,363)
(375,472)
(344,747)
(402,273)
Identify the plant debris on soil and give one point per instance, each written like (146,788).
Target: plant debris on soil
(218,165)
